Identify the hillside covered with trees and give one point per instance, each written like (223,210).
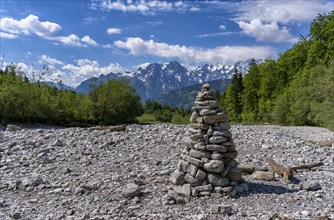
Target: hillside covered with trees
(295,89)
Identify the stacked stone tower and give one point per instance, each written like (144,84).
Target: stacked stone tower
(207,164)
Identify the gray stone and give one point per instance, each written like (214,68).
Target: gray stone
(231,154)
(216,195)
(192,180)
(206,139)
(199,126)
(89,186)
(310,185)
(194,192)
(192,169)
(199,154)
(193,117)
(194,161)
(224,126)
(178,190)
(33,181)
(205,112)
(211,103)
(263,175)
(215,166)
(216,156)
(194,131)
(210,131)
(177,177)
(187,189)
(58,143)
(227,189)
(131,190)
(183,165)
(212,119)
(205,193)
(200,174)
(217,140)
(12,144)
(224,133)
(216,147)
(221,209)
(197,137)
(217,180)
(199,146)
(207,187)
(266,146)
(16,215)
(234,174)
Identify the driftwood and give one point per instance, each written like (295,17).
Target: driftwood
(307,167)
(285,171)
(110,128)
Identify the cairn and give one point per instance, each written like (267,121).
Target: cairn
(207,165)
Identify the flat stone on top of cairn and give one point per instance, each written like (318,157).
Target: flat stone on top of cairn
(207,163)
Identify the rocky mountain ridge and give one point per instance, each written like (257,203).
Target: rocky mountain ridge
(157,79)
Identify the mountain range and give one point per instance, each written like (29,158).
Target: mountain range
(156,79)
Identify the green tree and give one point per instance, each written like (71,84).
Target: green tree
(116,102)
(250,98)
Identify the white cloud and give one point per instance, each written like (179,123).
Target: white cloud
(154,23)
(263,19)
(106,46)
(85,68)
(220,54)
(86,39)
(7,35)
(112,31)
(283,11)
(222,27)
(31,25)
(265,32)
(145,7)
(49,60)
(194,9)
(217,34)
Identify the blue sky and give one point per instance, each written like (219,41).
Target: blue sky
(83,38)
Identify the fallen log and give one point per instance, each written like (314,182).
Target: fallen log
(306,167)
(285,171)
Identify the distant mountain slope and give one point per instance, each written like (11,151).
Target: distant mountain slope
(58,86)
(184,98)
(157,79)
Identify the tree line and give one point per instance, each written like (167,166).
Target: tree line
(295,89)
(23,101)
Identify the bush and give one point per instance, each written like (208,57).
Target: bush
(179,119)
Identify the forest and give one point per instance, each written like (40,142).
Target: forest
(296,89)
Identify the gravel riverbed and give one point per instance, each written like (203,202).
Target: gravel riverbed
(81,173)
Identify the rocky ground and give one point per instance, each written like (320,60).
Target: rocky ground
(84,173)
